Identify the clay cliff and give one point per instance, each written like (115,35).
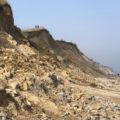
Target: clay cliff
(41,39)
(7,21)
(6,17)
(46,79)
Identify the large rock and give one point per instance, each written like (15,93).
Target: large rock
(6,17)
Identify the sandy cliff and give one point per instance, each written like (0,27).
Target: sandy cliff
(45,79)
(41,39)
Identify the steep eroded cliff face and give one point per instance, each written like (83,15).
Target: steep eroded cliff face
(6,17)
(7,21)
(42,40)
(47,79)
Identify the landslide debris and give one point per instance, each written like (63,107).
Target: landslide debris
(40,86)
(38,82)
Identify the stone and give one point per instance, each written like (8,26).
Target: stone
(3,116)
(59,58)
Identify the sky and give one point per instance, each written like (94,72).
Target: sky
(94,25)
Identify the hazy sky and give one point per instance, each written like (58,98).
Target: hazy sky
(94,25)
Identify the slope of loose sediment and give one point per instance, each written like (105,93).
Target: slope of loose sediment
(38,86)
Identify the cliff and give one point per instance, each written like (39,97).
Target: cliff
(6,17)
(46,79)
(7,21)
(41,39)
